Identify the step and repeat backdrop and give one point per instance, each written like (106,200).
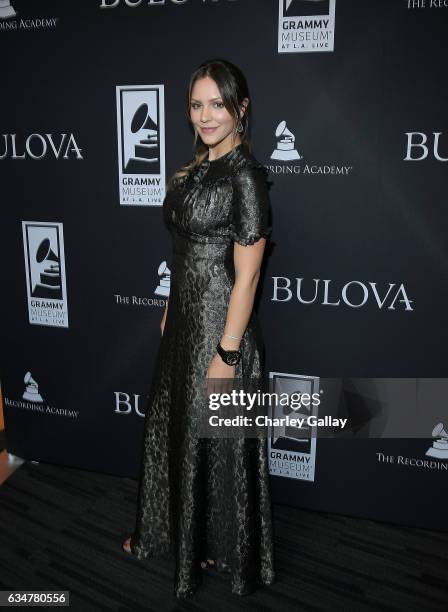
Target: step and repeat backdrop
(349,102)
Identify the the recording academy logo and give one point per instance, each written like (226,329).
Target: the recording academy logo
(292,449)
(437,451)
(420,146)
(39,146)
(306,25)
(43,245)
(8,21)
(426,4)
(141,144)
(162,289)
(288,158)
(33,401)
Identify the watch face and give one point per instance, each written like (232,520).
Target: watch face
(232,358)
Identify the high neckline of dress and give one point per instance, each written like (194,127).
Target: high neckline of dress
(226,157)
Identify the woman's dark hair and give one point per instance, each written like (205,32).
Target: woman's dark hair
(233,89)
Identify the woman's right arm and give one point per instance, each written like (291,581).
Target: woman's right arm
(162,322)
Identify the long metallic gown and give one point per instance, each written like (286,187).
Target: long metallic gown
(205,498)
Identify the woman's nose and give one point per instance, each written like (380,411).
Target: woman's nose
(205,114)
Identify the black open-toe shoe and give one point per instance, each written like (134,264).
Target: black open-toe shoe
(126,545)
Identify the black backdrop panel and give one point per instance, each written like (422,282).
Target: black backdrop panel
(359,218)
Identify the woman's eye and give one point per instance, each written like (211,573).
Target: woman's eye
(196,104)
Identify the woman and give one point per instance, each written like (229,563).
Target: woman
(204,499)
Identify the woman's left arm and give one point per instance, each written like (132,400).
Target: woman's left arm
(247,260)
(250,227)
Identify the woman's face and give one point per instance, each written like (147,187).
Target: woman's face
(208,114)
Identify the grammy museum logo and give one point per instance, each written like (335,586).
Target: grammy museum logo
(43,245)
(292,448)
(306,25)
(141,144)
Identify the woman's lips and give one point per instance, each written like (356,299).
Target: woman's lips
(208,130)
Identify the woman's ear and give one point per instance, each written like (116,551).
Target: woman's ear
(244,105)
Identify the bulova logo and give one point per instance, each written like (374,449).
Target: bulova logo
(127,404)
(107,4)
(354,294)
(38,146)
(286,153)
(306,25)
(417,148)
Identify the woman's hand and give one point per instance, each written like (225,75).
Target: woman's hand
(219,369)
(219,377)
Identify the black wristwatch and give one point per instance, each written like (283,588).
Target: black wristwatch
(229,357)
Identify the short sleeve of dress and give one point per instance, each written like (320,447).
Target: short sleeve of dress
(250,205)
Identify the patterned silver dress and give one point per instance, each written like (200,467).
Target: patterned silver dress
(205,498)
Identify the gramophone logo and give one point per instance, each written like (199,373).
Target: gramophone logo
(141,144)
(43,245)
(31,392)
(285,149)
(306,25)
(292,450)
(163,288)
(439,448)
(6,10)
